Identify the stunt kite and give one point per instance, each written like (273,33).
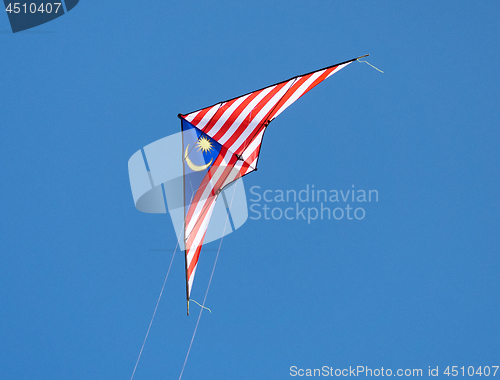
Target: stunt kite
(221,143)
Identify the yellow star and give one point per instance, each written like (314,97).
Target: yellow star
(204,144)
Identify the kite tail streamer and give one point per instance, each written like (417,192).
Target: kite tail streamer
(369,64)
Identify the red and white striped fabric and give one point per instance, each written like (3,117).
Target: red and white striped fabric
(238,125)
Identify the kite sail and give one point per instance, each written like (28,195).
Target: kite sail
(221,143)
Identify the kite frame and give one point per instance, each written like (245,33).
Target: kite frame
(266,122)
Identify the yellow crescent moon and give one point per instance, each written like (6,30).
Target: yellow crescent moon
(196,168)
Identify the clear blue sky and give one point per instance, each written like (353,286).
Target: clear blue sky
(414,284)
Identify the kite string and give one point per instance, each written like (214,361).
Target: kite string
(154,313)
(208,287)
(369,64)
